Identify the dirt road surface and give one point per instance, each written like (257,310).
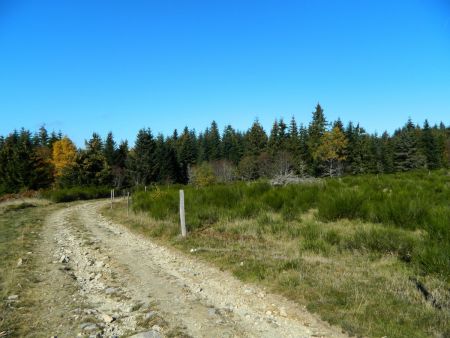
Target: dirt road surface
(98,279)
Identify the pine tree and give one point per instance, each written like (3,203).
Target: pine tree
(43,137)
(255,139)
(119,171)
(316,130)
(141,162)
(274,141)
(109,149)
(430,147)
(213,140)
(387,153)
(407,155)
(187,153)
(231,147)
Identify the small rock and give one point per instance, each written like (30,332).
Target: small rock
(211,311)
(283,312)
(241,263)
(64,259)
(19,262)
(88,327)
(13,297)
(110,291)
(148,334)
(269,313)
(107,318)
(99,264)
(156,328)
(150,315)
(261,294)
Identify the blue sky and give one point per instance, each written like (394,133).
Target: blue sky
(83,66)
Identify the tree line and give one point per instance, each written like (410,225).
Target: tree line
(32,161)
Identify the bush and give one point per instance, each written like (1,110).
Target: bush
(76,193)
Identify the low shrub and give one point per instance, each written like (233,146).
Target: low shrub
(76,193)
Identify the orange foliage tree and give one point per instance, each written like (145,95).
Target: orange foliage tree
(64,154)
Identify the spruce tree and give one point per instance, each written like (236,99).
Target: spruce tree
(141,163)
(109,149)
(430,147)
(407,155)
(213,141)
(255,140)
(231,147)
(316,130)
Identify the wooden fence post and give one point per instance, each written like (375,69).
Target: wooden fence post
(182,218)
(111,199)
(128,204)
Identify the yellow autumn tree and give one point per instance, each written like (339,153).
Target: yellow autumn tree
(332,150)
(64,153)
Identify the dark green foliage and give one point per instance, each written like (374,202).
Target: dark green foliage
(76,193)
(430,147)
(24,165)
(255,140)
(316,129)
(407,155)
(142,161)
(109,149)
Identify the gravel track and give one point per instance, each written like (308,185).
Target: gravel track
(129,284)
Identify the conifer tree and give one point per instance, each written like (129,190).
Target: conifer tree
(316,130)
(141,162)
(407,154)
(231,147)
(109,149)
(213,141)
(255,139)
(430,147)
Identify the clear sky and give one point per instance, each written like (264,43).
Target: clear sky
(84,65)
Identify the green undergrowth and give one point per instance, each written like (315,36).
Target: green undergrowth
(76,194)
(417,201)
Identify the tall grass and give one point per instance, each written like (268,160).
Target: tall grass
(401,203)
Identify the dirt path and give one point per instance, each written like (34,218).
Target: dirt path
(122,284)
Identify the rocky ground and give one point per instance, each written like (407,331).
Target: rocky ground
(98,279)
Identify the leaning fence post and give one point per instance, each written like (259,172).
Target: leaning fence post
(128,204)
(182,218)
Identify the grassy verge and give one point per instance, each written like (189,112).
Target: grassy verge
(20,224)
(343,263)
